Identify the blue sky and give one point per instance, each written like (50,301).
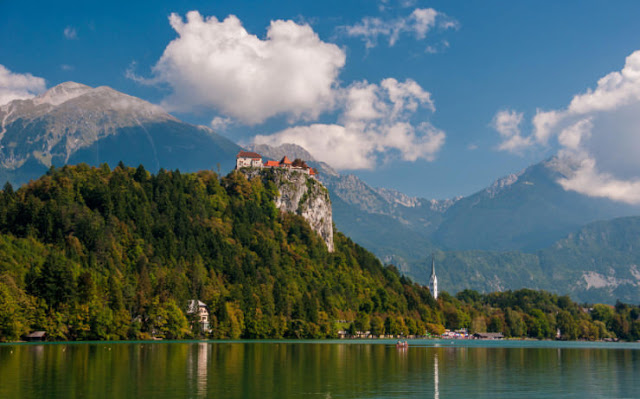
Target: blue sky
(455,73)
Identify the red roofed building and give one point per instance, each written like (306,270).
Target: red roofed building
(246,159)
(285,161)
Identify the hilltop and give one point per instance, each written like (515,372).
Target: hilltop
(95,254)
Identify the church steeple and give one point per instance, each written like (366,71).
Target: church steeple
(433,280)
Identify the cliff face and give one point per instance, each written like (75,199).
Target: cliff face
(302,195)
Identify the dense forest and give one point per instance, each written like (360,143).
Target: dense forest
(99,254)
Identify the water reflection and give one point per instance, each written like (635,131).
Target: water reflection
(289,370)
(436,378)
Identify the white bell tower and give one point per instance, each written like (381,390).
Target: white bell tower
(433,281)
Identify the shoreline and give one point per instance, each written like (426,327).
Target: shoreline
(414,342)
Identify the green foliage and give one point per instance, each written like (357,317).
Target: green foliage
(100,254)
(95,253)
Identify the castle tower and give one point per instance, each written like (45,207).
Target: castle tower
(433,281)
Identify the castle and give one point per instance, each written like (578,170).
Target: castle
(247,159)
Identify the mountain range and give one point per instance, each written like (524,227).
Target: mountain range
(73,123)
(524,230)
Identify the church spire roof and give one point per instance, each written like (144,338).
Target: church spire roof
(433,280)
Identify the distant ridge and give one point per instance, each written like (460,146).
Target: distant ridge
(505,236)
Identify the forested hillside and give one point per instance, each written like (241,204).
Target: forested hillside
(91,253)
(88,250)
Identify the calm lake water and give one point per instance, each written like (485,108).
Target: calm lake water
(326,369)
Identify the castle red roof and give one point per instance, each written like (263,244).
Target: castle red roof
(248,154)
(285,161)
(272,163)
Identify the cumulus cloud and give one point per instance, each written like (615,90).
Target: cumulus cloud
(70,33)
(418,24)
(507,123)
(374,126)
(598,134)
(219,65)
(15,86)
(587,179)
(220,123)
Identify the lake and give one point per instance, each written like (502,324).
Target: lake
(320,369)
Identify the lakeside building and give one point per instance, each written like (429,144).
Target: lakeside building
(35,336)
(433,280)
(246,159)
(488,335)
(201,314)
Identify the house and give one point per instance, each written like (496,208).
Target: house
(246,159)
(488,335)
(36,336)
(198,311)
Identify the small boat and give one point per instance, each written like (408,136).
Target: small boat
(402,344)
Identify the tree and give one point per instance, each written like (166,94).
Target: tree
(377,326)
(176,326)
(515,324)
(602,313)
(391,326)
(55,282)
(479,324)
(362,322)
(12,322)
(567,326)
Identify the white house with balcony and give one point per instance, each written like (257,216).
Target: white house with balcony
(198,311)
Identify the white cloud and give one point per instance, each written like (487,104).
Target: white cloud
(613,92)
(507,123)
(573,136)
(423,20)
(418,23)
(587,179)
(373,127)
(598,133)
(220,123)
(544,123)
(219,65)
(14,86)
(70,33)
(406,96)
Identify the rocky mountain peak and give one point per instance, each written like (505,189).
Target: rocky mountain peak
(73,122)
(62,93)
(396,197)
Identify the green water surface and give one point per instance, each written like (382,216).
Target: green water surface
(320,369)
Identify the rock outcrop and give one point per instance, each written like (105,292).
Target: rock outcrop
(303,195)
